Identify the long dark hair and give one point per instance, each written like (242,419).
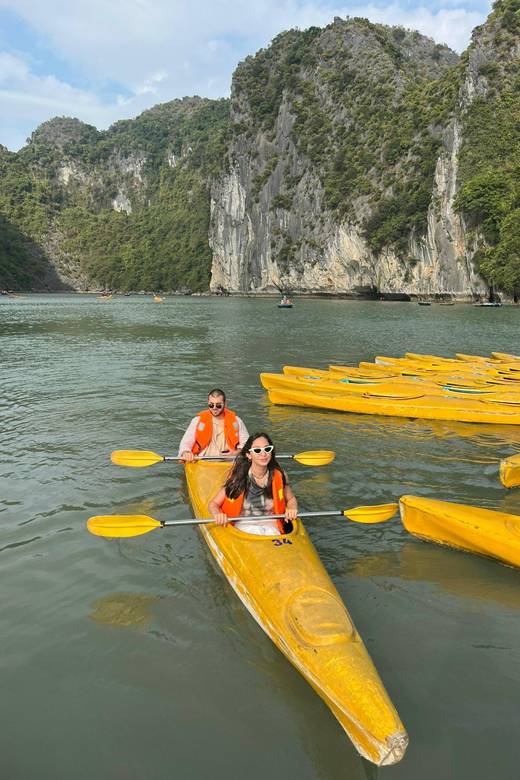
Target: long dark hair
(237,481)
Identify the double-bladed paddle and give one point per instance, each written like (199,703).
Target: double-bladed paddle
(118,526)
(145,458)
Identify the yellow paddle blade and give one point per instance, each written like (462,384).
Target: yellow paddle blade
(121,525)
(372,514)
(315,457)
(135,458)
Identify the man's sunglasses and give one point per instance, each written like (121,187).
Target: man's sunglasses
(258,450)
(215,406)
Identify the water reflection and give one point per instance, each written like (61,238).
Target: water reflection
(124,610)
(461,575)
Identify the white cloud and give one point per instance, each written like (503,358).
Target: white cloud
(158,50)
(450,26)
(151,84)
(28,98)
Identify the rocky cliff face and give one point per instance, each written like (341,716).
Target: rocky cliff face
(273,228)
(355,160)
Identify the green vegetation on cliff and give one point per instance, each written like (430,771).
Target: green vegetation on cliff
(489,196)
(368,102)
(65,182)
(27,208)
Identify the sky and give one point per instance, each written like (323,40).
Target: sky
(105,60)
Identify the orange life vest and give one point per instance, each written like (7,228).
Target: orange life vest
(232,506)
(204,430)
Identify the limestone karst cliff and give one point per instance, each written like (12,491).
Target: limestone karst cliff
(345,182)
(355,159)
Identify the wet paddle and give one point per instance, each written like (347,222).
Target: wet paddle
(118,526)
(144,458)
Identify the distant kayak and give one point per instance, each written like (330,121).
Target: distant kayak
(157,298)
(424,303)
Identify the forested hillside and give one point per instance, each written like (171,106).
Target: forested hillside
(356,158)
(127,208)
(490,156)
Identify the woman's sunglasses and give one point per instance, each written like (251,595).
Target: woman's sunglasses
(258,450)
(215,406)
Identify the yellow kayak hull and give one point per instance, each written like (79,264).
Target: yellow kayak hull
(283,584)
(413,388)
(429,358)
(510,471)
(348,371)
(504,356)
(424,407)
(480,531)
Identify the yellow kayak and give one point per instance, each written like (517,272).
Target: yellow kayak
(474,359)
(467,368)
(355,374)
(424,407)
(481,531)
(503,356)
(373,373)
(429,358)
(510,471)
(283,584)
(388,389)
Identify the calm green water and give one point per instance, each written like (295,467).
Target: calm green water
(134,659)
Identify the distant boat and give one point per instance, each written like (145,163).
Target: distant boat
(446,303)
(424,303)
(285,305)
(158,298)
(488,305)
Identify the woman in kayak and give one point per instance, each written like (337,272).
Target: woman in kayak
(256,486)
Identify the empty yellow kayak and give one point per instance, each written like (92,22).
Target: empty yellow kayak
(504,356)
(481,531)
(347,371)
(424,407)
(510,471)
(283,584)
(404,388)
(429,358)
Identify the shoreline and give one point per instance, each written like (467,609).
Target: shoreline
(439,298)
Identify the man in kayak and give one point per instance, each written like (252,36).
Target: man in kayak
(215,431)
(257,486)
